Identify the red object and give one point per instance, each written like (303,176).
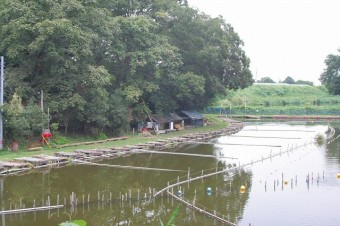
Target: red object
(46,134)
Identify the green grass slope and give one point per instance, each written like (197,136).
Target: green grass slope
(278,99)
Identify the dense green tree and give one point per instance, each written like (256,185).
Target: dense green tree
(266,80)
(48,50)
(118,114)
(23,121)
(289,80)
(183,91)
(140,58)
(209,48)
(104,63)
(331,75)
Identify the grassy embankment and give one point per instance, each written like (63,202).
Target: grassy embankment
(279,99)
(133,139)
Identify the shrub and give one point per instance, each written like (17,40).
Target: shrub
(101,136)
(60,140)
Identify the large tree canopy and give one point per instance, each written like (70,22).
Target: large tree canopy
(331,75)
(103,63)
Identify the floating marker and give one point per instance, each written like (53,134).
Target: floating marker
(338,175)
(209,191)
(242,189)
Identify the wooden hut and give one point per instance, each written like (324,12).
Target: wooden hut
(192,118)
(177,122)
(165,123)
(159,122)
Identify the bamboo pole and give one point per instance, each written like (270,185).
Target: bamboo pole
(222,171)
(30,209)
(182,154)
(265,137)
(127,167)
(238,144)
(202,210)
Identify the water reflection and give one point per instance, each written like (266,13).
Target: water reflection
(287,188)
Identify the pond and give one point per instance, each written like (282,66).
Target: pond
(288,179)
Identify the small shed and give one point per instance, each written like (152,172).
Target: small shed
(160,121)
(177,122)
(192,118)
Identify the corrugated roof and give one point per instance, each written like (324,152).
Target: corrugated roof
(193,114)
(160,118)
(174,117)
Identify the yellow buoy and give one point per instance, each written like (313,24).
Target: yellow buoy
(338,175)
(242,188)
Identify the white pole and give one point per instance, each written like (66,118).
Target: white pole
(42,100)
(48,118)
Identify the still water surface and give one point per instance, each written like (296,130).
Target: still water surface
(276,189)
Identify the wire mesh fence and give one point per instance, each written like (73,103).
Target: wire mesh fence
(334,110)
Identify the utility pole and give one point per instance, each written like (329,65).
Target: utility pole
(1,100)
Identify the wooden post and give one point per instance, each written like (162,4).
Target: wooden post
(73,199)
(58,200)
(188,177)
(88,197)
(295,180)
(291,182)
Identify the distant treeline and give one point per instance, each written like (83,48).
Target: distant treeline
(288,80)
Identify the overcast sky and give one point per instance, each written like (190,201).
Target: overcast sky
(282,37)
